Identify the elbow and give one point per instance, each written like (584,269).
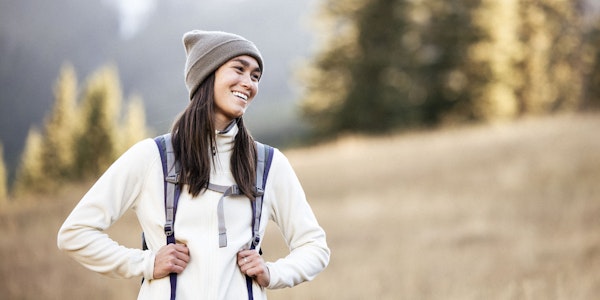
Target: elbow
(66,238)
(326,256)
(61,241)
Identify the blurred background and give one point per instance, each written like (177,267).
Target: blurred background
(141,41)
(461,135)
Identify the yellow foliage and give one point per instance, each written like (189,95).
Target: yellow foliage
(61,126)
(30,174)
(98,142)
(134,124)
(501,52)
(78,142)
(104,89)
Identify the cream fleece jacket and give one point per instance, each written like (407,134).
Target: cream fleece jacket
(135,181)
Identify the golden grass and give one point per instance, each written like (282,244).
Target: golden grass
(504,211)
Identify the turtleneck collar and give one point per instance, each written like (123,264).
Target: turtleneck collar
(229,127)
(225,139)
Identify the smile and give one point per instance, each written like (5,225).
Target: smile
(240,95)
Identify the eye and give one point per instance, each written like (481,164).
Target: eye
(255,76)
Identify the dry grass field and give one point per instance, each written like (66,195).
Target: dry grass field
(504,211)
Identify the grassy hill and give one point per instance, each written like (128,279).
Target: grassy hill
(504,211)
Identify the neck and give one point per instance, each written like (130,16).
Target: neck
(224,128)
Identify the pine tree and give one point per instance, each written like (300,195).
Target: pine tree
(378,96)
(97,142)
(60,128)
(447,79)
(30,173)
(327,79)
(592,58)
(389,64)
(501,52)
(552,36)
(392,64)
(3,179)
(134,124)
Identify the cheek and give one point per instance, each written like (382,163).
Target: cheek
(255,91)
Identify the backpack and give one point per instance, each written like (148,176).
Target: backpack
(171,173)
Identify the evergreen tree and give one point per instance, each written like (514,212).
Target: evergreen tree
(3,179)
(327,79)
(30,173)
(60,128)
(501,53)
(134,124)
(97,142)
(552,36)
(392,64)
(378,95)
(591,58)
(592,84)
(448,79)
(389,64)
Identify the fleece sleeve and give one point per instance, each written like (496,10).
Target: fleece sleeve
(309,253)
(82,236)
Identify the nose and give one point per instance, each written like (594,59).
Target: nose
(249,85)
(246,81)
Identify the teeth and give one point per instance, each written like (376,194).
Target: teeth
(241,95)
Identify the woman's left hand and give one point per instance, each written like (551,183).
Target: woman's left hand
(252,264)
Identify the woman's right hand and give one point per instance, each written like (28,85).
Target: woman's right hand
(171,258)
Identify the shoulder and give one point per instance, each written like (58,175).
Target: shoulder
(272,155)
(281,170)
(142,149)
(140,156)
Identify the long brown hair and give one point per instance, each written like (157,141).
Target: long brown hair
(193,137)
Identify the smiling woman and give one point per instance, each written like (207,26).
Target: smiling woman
(215,252)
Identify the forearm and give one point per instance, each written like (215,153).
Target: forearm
(302,264)
(96,251)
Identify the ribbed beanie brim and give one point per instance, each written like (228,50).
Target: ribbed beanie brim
(206,51)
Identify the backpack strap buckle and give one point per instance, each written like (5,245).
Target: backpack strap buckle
(168,229)
(235,190)
(173,179)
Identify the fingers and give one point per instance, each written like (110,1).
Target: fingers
(252,264)
(172,258)
(182,252)
(247,256)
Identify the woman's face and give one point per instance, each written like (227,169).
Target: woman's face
(236,84)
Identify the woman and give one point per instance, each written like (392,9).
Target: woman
(212,145)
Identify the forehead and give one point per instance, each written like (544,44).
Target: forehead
(247,61)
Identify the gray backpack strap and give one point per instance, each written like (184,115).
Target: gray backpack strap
(257,203)
(264,157)
(173,189)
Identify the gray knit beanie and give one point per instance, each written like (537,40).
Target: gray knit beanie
(206,51)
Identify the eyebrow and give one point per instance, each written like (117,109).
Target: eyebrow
(247,64)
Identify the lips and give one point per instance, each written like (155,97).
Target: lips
(240,95)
